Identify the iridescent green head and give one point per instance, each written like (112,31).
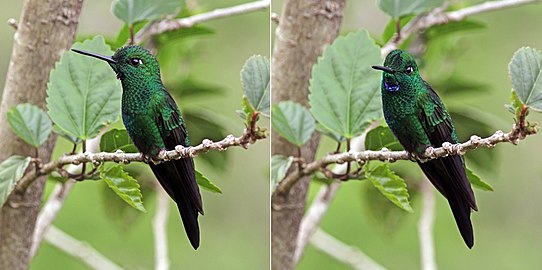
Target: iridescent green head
(130,62)
(400,71)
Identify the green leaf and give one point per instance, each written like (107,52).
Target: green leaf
(83,92)
(11,170)
(386,215)
(293,122)
(119,212)
(516,106)
(400,8)
(191,88)
(132,11)
(125,186)
(182,34)
(390,185)
(205,124)
(344,89)
(206,184)
(247,111)
(469,121)
(320,177)
(65,135)
(117,139)
(455,84)
(255,77)
(526,72)
(477,182)
(279,166)
(381,137)
(30,123)
(452,27)
(328,133)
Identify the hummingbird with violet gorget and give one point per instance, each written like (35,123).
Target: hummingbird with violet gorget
(418,118)
(154,123)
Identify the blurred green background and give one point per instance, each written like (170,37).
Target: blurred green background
(507,226)
(235,228)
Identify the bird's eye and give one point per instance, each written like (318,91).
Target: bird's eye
(409,70)
(135,62)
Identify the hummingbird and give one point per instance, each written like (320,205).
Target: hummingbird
(154,123)
(417,117)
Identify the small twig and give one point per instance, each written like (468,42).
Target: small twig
(131,27)
(80,250)
(179,152)
(390,156)
(439,16)
(349,255)
(398,29)
(159,229)
(169,25)
(425,227)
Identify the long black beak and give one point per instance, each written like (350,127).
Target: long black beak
(95,55)
(385,69)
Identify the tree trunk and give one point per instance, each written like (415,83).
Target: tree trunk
(45,30)
(305,28)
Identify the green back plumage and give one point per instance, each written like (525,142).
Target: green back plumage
(154,123)
(407,99)
(418,118)
(149,112)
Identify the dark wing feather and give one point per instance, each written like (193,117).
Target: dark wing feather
(447,174)
(177,177)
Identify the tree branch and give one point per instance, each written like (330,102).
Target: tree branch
(180,152)
(169,25)
(385,155)
(49,212)
(425,227)
(313,217)
(80,250)
(311,220)
(159,228)
(56,200)
(439,16)
(342,252)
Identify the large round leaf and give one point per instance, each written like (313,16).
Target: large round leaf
(344,89)
(526,74)
(83,92)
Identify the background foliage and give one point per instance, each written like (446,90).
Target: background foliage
(472,78)
(213,70)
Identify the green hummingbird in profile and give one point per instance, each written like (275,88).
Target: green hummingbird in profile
(418,118)
(154,123)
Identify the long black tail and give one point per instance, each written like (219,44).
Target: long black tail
(449,177)
(178,179)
